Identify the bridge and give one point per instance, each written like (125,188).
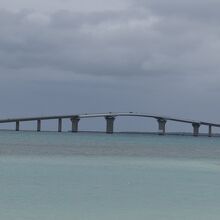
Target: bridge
(110,118)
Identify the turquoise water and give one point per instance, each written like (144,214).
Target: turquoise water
(86,176)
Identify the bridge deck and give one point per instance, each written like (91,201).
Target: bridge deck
(129,114)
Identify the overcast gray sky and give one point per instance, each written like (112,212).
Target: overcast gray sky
(70,56)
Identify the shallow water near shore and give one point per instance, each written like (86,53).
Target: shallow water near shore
(97,176)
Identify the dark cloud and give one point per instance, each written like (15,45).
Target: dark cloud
(202,10)
(143,41)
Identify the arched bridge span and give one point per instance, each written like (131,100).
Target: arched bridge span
(110,118)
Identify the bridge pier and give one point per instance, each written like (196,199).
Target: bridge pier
(59,124)
(17,126)
(210,131)
(38,125)
(75,122)
(161,126)
(109,124)
(195,129)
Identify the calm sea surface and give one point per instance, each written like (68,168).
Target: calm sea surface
(97,176)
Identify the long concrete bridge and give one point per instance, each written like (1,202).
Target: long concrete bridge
(110,118)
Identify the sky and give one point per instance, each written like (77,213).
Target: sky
(88,56)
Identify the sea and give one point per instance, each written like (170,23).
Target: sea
(98,176)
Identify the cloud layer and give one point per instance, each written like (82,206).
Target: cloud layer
(167,49)
(147,40)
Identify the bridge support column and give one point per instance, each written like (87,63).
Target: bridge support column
(109,124)
(75,122)
(17,126)
(38,125)
(59,124)
(210,131)
(195,129)
(161,126)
